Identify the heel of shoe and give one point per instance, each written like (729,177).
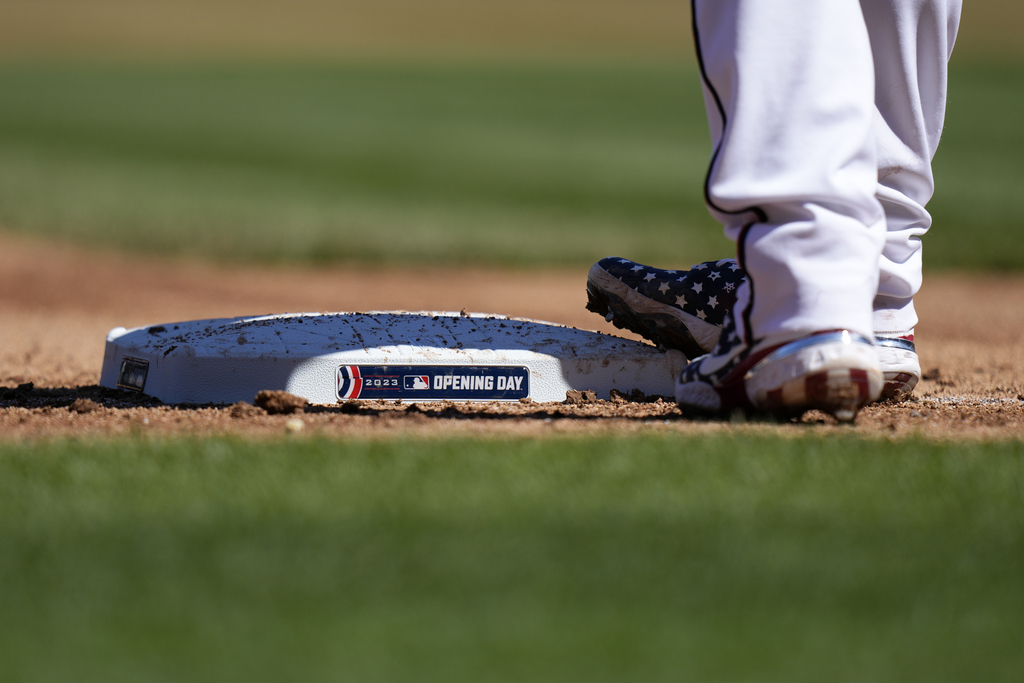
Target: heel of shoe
(901,368)
(836,372)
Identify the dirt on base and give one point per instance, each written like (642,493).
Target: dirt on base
(57,304)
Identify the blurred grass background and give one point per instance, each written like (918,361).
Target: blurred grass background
(448,131)
(735,557)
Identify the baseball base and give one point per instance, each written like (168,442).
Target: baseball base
(413,357)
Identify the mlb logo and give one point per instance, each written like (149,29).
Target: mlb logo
(416,382)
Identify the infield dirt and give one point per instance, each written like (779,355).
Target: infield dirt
(57,303)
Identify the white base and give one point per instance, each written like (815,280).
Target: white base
(330,357)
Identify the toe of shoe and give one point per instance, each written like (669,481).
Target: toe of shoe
(697,395)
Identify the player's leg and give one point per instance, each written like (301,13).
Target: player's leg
(911,41)
(789,88)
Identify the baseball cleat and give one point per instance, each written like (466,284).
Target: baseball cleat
(901,367)
(835,371)
(685,310)
(681,310)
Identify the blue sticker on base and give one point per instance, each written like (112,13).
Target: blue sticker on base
(434,382)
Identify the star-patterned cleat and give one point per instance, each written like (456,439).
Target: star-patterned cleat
(680,310)
(835,371)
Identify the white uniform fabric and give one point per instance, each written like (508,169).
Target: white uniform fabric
(911,43)
(824,117)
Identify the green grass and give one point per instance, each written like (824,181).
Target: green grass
(979,170)
(522,165)
(733,558)
(457,164)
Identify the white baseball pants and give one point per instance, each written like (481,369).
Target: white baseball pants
(825,116)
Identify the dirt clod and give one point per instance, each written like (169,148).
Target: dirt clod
(243,410)
(281,402)
(573,397)
(84,405)
(638,396)
(351,406)
(21,391)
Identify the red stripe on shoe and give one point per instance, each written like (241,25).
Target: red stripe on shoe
(860,378)
(816,388)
